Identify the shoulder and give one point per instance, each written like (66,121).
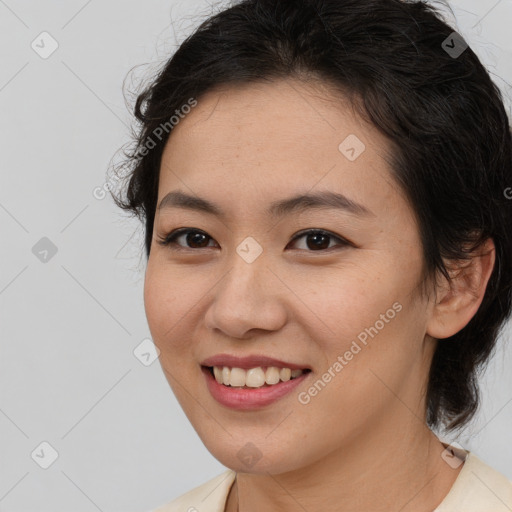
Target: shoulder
(478,488)
(208,497)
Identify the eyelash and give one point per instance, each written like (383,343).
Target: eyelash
(170,239)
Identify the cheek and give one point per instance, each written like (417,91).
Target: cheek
(168,298)
(347,301)
(157,299)
(371,360)
(364,315)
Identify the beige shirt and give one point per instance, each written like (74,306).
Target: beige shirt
(478,488)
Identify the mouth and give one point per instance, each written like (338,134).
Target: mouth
(253,378)
(248,389)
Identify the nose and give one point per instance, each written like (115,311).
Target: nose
(249,297)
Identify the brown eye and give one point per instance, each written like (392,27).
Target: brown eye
(194,239)
(318,240)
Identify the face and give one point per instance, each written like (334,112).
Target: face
(329,287)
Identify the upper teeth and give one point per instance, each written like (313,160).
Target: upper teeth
(253,378)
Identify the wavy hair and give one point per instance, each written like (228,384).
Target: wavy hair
(442,114)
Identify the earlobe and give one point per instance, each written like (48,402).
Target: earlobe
(458,300)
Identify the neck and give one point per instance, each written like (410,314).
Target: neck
(396,469)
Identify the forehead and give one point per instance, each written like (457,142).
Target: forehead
(269,140)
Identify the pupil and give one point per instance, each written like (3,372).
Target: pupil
(317,245)
(192,238)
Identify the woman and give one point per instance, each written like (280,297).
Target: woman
(323,185)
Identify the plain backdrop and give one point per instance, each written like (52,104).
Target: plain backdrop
(72,269)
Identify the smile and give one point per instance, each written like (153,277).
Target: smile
(253,377)
(246,389)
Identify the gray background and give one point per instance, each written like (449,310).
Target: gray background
(70,325)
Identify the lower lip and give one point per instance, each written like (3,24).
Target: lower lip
(247,398)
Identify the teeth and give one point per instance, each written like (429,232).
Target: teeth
(272,375)
(285,374)
(254,377)
(218,374)
(237,377)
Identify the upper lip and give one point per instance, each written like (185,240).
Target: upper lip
(247,362)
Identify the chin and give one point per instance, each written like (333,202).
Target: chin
(245,456)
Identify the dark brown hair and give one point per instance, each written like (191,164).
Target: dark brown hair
(441,112)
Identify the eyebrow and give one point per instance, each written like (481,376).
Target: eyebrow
(319,200)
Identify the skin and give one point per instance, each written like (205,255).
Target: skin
(362,442)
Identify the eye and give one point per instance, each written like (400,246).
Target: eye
(192,236)
(317,239)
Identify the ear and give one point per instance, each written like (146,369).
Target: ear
(458,300)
